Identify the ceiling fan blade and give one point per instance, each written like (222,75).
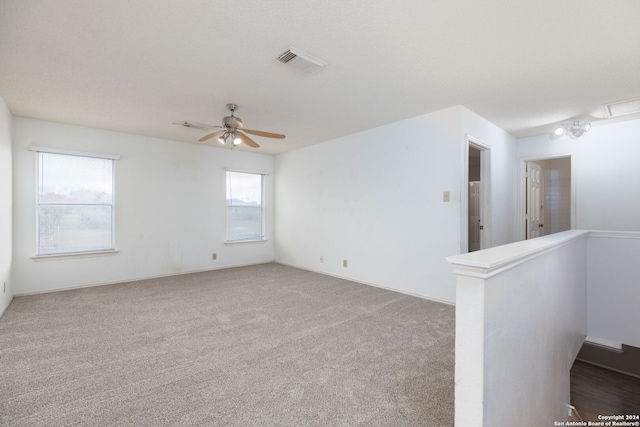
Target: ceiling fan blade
(250,142)
(266,134)
(211,135)
(196,125)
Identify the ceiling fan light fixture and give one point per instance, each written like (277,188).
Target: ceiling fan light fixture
(223,138)
(230,131)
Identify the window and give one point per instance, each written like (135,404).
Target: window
(75,208)
(245,210)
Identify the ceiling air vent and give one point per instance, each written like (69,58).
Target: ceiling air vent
(622,108)
(301,61)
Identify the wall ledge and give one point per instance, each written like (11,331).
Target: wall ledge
(489,262)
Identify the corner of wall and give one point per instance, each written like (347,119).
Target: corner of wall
(6,207)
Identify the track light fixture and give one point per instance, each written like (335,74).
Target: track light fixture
(576,128)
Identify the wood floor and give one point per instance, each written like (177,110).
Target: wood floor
(599,391)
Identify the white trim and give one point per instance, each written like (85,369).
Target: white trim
(4,309)
(72,153)
(239,242)
(136,279)
(615,234)
(387,288)
(255,172)
(72,255)
(601,342)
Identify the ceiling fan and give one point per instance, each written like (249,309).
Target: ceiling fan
(232,131)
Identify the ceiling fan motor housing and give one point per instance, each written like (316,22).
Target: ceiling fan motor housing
(232,121)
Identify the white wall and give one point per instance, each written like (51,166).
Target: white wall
(375,198)
(606,172)
(613,289)
(170,208)
(6,233)
(521,318)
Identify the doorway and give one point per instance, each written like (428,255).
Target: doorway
(476,216)
(475,199)
(548,196)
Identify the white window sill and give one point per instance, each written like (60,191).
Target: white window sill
(240,242)
(56,257)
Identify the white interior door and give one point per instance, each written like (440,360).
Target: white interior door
(474,216)
(535,213)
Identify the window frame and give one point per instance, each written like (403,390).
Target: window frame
(263,211)
(75,253)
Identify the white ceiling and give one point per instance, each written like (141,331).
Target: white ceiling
(137,66)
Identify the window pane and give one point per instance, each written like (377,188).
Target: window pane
(244,189)
(244,206)
(69,228)
(75,179)
(244,223)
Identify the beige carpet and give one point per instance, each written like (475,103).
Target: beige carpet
(266,345)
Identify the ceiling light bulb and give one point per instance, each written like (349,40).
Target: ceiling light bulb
(586,127)
(559,131)
(237,140)
(223,138)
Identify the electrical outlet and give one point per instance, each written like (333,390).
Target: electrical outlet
(344,262)
(446,196)
(214,256)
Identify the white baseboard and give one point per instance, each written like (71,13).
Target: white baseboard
(604,343)
(375,285)
(3,309)
(135,279)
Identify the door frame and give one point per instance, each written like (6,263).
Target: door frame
(522,186)
(485,193)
